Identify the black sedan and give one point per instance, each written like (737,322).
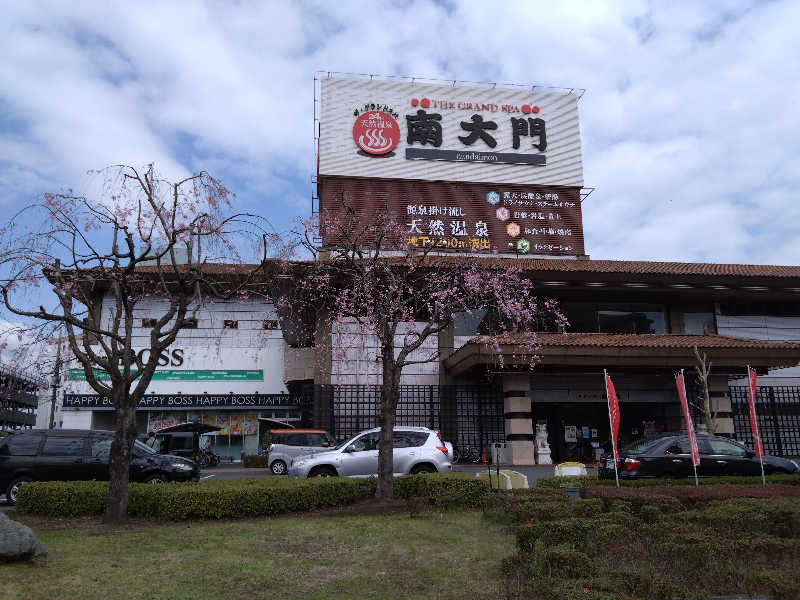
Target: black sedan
(670,456)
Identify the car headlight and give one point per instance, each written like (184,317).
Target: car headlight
(181,466)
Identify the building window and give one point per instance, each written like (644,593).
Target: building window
(631,318)
(230,324)
(190,323)
(270,324)
(148,323)
(608,317)
(699,323)
(771,309)
(474,323)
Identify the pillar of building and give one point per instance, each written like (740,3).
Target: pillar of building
(518,419)
(719,395)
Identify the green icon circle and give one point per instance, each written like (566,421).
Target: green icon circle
(523,246)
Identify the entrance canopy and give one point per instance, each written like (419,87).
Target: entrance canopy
(610,350)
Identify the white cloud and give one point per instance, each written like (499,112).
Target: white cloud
(689,123)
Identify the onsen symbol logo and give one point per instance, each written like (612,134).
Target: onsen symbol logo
(376,132)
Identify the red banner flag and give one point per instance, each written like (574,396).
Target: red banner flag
(613,413)
(681,385)
(751,401)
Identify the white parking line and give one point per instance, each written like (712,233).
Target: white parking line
(208,477)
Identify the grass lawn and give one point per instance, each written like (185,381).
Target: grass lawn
(435,555)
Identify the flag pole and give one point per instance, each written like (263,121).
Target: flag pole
(755,423)
(689,423)
(611,428)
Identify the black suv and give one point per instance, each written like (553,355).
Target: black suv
(69,455)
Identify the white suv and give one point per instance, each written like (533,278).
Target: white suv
(416,450)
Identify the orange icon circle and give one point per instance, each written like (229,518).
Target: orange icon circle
(512,229)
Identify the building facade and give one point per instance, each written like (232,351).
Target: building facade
(494,172)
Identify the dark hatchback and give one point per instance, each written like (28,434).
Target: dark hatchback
(69,455)
(669,456)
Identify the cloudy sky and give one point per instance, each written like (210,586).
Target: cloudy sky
(690,121)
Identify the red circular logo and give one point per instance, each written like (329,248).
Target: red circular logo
(376,132)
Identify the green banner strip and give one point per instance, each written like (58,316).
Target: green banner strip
(184,375)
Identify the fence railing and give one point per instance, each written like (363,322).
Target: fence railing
(469,416)
(778,411)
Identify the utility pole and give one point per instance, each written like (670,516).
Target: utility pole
(55,384)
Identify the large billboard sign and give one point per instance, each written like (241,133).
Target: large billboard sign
(408,130)
(467,217)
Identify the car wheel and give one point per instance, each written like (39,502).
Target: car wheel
(323,472)
(420,469)
(157,478)
(278,467)
(12,491)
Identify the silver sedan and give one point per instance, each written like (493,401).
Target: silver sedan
(416,450)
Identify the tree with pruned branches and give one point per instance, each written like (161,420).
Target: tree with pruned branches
(138,238)
(703,402)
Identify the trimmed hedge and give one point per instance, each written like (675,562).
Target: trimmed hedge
(651,546)
(592,480)
(247,497)
(445,490)
(254,461)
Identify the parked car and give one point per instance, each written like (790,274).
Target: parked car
(416,450)
(68,455)
(287,444)
(186,444)
(670,456)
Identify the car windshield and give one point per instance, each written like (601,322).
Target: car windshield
(639,446)
(143,447)
(344,443)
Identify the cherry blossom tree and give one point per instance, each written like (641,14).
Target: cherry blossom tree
(365,274)
(138,238)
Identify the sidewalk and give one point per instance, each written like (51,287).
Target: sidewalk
(235,467)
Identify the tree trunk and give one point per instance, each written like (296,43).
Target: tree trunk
(390,393)
(709,418)
(120,458)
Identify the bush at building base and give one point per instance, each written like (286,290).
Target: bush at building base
(231,498)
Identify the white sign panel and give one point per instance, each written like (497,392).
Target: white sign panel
(404,130)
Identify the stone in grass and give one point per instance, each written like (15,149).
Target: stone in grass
(17,541)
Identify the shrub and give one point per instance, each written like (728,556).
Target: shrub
(209,500)
(246,497)
(673,497)
(551,533)
(519,505)
(574,481)
(63,499)
(593,480)
(254,461)
(445,490)
(778,517)
(562,561)
(642,548)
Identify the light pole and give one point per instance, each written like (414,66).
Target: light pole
(55,384)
